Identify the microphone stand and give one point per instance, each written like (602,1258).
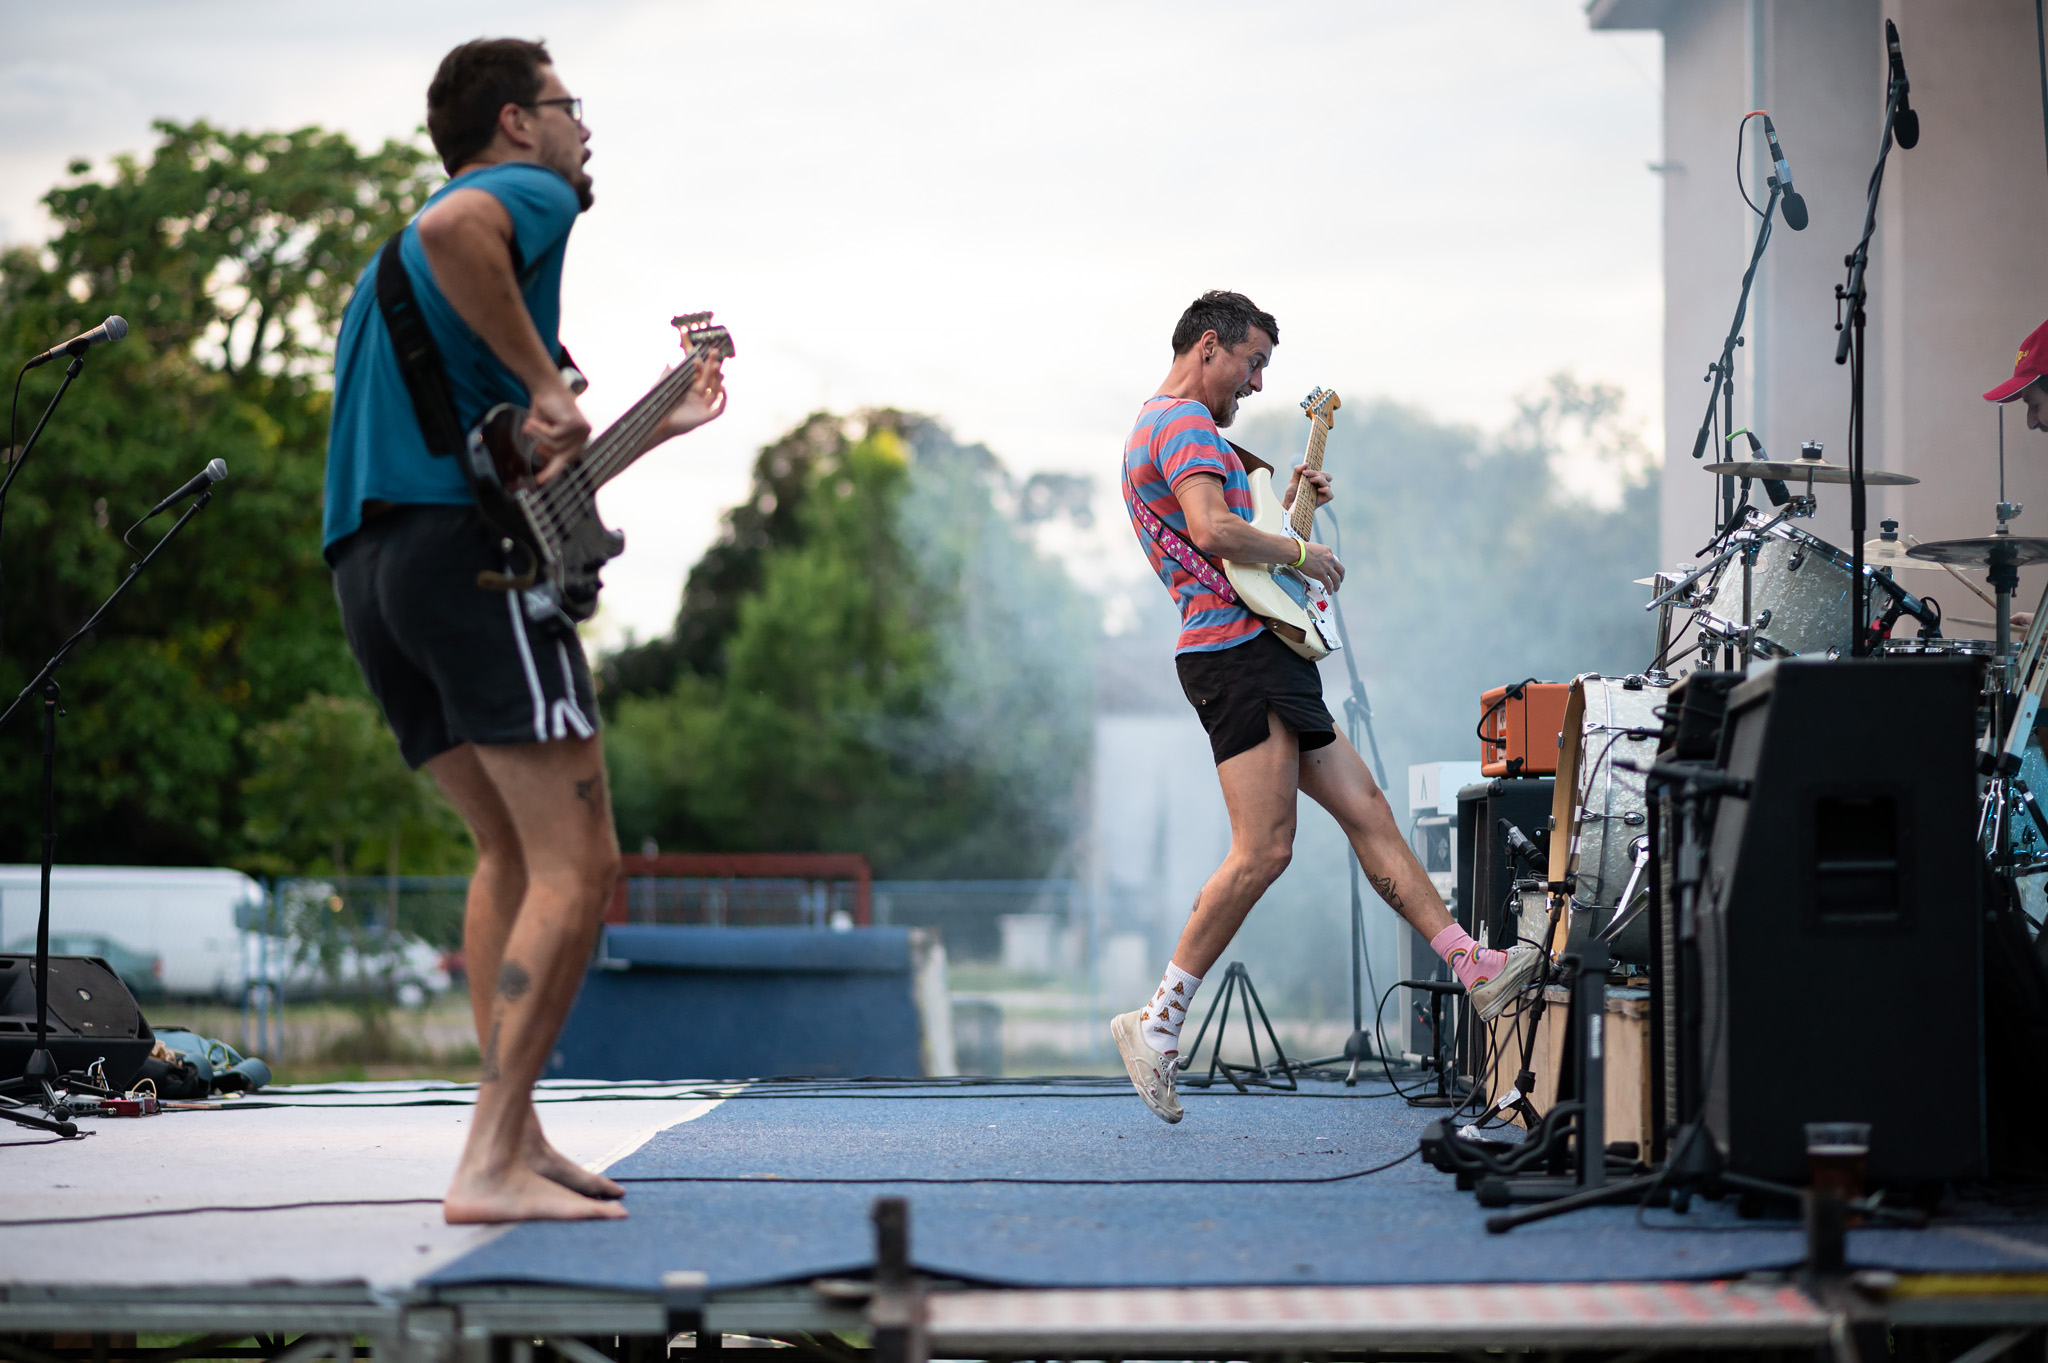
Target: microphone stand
(16,459)
(1721,373)
(1850,350)
(39,1078)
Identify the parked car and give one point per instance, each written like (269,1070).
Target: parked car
(182,918)
(141,972)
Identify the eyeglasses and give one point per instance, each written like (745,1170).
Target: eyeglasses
(571,107)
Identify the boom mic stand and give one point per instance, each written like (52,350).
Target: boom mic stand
(1721,373)
(1850,350)
(39,1077)
(16,459)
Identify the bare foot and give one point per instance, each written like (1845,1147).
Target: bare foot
(551,1163)
(519,1195)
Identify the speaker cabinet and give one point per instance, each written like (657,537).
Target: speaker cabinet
(92,1017)
(1840,929)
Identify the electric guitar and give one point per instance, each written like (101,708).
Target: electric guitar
(1293,605)
(556,526)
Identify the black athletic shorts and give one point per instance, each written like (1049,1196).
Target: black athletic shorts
(1232,688)
(450,662)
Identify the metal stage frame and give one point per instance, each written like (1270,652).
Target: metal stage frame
(1976,1317)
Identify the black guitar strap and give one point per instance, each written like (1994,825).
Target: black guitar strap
(419,359)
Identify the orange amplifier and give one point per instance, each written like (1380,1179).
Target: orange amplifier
(1518,728)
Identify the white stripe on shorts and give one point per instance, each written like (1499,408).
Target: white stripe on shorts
(540,700)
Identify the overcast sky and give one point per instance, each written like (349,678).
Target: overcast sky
(991,213)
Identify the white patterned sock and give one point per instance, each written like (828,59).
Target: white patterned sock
(1161,1020)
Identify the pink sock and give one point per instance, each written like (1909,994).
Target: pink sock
(1472,963)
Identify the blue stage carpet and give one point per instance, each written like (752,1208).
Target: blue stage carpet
(1226,1221)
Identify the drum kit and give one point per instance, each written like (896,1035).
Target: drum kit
(1768,589)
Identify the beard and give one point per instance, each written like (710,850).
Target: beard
(1228,414)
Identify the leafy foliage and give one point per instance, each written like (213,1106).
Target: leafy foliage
(231,255)
(330,794)
(891,669)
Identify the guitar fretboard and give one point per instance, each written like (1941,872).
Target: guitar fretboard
(1302,518)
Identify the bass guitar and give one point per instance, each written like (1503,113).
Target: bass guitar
(1293,605)
(556,525)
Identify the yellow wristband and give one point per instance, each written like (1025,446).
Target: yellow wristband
(1301,557)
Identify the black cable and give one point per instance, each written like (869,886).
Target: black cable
(199,1211)
(1742,188)
(1029,1182)
(771,1180)
(2041,42)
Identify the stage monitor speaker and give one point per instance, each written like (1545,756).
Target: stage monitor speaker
(92,1017)
(1486,870)
(1840,924)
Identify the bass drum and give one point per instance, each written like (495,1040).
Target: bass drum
(1599,819)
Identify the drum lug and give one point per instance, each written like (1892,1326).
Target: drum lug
(1763,619)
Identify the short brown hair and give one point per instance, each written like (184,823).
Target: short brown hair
(474,82)
(1229,315)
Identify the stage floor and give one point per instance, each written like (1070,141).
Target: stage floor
(1034,1187)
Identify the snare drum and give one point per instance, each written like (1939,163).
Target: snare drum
(1600,820)
(1984,652)
(1798,596)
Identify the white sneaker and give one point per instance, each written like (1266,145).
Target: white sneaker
(1152,1073)
(1489,997)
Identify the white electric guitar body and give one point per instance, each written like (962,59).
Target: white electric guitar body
(1293,605)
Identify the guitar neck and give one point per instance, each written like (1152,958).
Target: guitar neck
(1302,519)
(627,438)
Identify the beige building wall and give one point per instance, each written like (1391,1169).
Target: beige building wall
(1952,284)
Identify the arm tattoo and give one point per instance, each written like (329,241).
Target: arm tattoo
(586,791)
(1385,886)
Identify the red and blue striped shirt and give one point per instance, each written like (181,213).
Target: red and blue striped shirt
(1174,438)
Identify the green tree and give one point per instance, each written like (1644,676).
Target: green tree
(890,670)
(231,255)
(330,795)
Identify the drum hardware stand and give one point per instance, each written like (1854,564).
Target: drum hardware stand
(40,1077)
(1589,1185)
(1237,984)
(1745,541)
(1855,295)
(1517,1097)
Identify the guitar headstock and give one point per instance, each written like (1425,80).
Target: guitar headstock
(1321,406)
(698,334)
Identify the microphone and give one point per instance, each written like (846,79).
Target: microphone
(1905,123)
(1908,603)
(1519,844)
(1795,207)
(113,329)
(214,471)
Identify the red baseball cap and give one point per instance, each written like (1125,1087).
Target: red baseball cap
(2031,364)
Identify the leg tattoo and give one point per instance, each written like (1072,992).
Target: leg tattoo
(513,982)
(1385,886)
(487,1072)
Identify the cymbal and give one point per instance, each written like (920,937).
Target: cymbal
(1807,471)
(1884,553)
(1978,550)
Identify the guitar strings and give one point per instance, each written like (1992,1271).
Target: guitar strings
(616,446)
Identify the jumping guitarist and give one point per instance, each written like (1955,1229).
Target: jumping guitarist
(1260,701)
(496,705)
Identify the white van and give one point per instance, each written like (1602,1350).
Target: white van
(184,918)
